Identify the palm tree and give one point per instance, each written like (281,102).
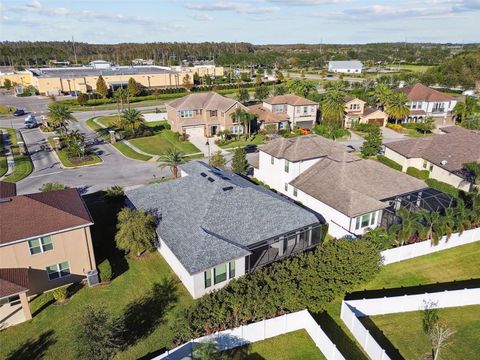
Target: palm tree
(60,116)
(172,159)
(435,226)
(121,96)
(397,107)
(333,106)
(382,93)
(470,106)
(407,228)
(242,117)
(131,119)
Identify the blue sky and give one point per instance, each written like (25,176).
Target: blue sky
(255,21)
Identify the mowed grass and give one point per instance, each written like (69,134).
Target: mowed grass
(128,152)
(294,345)
(23,164)
(3,157)
(405,332)
(6,110)
(160,143)
(413,68)
(256,140)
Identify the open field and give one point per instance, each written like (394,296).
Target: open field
(413,68)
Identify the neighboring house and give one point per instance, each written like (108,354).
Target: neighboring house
(345,67)
(357,111)
(204,114)
(45,243)
(349,192)
(424,101)
(443,155)
(215,225)
(286,110)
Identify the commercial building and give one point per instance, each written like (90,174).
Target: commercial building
(345,67)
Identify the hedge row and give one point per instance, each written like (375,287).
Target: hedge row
(443,187)
(228,86)
(386,161)
(419,174)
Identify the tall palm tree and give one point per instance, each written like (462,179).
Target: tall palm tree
(242,117)
(333,106)
(60,116)
(131,119)
(397,107)
(172,158)
(464,109)
(407,228)
(382,93)
(435,226)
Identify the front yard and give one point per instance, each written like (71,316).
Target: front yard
(255,140)
(160,143)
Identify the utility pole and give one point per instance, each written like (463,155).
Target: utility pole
(74,51)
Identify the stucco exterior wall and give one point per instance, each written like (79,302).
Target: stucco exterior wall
(23,78)
(297,115)
(74,246)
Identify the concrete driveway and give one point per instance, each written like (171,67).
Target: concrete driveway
(389,135)
(201,143)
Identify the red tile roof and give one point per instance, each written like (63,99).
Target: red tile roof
(13,281)
(420,92)
(27,216)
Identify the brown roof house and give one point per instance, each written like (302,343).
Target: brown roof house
(204,114)
(443,155)
(350,193)
(45,243)
(280,111)
(356,111)
(424,101)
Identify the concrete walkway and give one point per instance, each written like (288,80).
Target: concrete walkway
(154,158)
(201,143)
(99,123)
(8,152)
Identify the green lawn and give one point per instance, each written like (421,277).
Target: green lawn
(6,110)
(158,102)
(129,152)
(3,158)
(257,140)
(413,68)
(23,164)
(294,345)
(93,125)
(405,332)
(68,162)
(149,314)
(158,144)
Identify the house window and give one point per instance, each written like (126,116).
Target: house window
(40,245)
(286,186)
(272,160)
(424,164)
(278,108)
(58,271)
(295,192)
(364,221)
(287,166)
(213,113)
(305,109)
(372,220)
(237,129)
(231,269)
(207,275)
(431,168)
(220,273)
(186,113)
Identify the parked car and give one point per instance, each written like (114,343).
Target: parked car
(19,112)
(250,148)
(30,122)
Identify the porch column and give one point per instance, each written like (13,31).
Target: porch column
(25,306)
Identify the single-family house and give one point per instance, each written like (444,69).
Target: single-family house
(45,243)
(424,101)
(350,193)
(204,114)
(443,155)
(345,66)
(214,226)
(282,111)
(358,112)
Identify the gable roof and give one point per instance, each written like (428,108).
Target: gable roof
(290,99)
(267,116)
(345,64)
(210,217)
(33,215)
(457,147)
(13,281)
(348,98)
(420,92)
(303,148)
(354,186)
(205,101)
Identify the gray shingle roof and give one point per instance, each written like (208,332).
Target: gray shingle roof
(213,218)
(205,101)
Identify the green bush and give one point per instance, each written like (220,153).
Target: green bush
(60,294)
(365,127)
(386,161)
(419,174)
(443,187)
(105,270)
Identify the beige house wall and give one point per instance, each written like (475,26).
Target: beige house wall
(374,116)
(24,78)
(74,246)
(358,102)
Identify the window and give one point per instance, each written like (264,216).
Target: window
(186,113)
(207,275)
(220,273)
(425,164)
(278,108)
(431,168)
(237,129)
(364,221)
(231,269)
(213,113)
(58,271)
(272,160)
(286,186)
(372,220)
(295,192)
(305,109)
(40,245)
(287,166)
(298,109)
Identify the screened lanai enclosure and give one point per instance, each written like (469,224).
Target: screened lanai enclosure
(427,199)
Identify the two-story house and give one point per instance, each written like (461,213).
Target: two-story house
(424,101)
(286,110)
(358,112)
(45,243)
(349,192)
(204,114)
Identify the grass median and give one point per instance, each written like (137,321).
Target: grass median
(72,162)
(23,165)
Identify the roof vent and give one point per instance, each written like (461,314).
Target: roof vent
(443,162)
(226,188)
(210,179)
(203,174)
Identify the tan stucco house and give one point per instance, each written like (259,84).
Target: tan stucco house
(357,111)
(204,114)
(45,243)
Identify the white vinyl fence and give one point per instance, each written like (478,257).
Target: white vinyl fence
(265,329)
(425,247)
(353,309)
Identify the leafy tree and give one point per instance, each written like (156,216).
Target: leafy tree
(208,79)
(99,335)
(406,229)
(173,158)
(300,87)
(380,237)
(279,90)
(7,83)
(218,160)
(187,84)
(196,78)
(52,186)
(331,131)
(465,109)
(397,107)
(82,99)
(245,77)
(243,95)
(135,231)
(258,80)
(239,161)
(373,142)
(132,120)
(242,117)
(133,87)
(261,92)
(382,93)
(60,116)
(101,87)
(333,107)
(115,192)
(279,75)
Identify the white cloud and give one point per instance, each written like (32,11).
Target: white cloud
(308,2)
(202,17)
(241,8)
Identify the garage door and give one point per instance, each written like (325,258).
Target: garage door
(195,131)
(378,122)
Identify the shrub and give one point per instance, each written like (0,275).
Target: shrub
(105,270)
(386,161)
(60,294)
(115,193)
(443,187)
(396,127)
(52,186)
(365,127)
(419,174)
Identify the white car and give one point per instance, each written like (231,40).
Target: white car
(30,122)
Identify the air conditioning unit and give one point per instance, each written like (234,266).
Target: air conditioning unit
(92,278)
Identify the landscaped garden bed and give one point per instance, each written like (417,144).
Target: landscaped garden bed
(69,160)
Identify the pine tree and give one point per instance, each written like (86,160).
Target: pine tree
(133,87)
(218,160)
(373,143)
(239,161)
(102,88)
